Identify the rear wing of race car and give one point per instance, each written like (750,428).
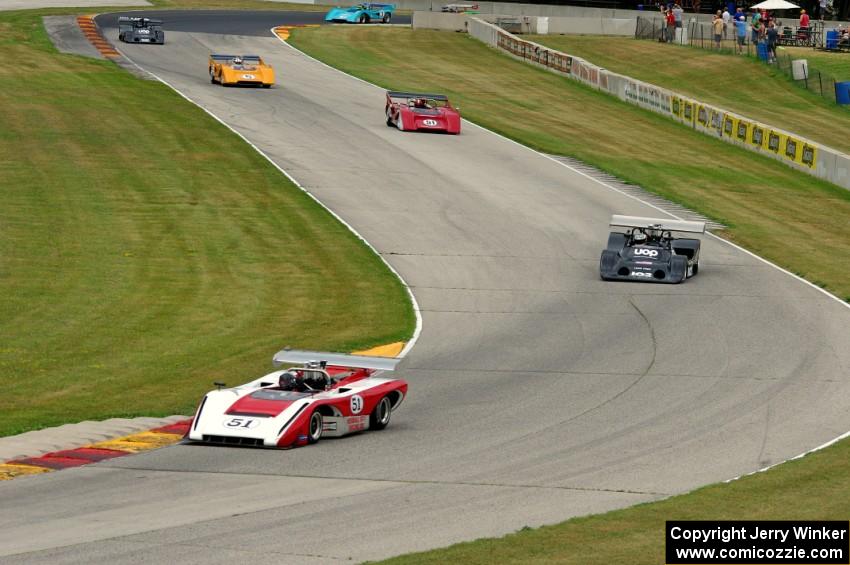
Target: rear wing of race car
(337,359)
(657,223)
(222,58)
(129,20)
(409,95)
(379,6)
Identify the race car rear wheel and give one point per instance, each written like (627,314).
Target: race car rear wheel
(386,18)
(380,417)
(314,432)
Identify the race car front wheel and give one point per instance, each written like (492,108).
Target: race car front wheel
(380,417)
(314,433)
(364,19)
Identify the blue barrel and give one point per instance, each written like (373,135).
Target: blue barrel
(762,50)
(832,39)
(842,92)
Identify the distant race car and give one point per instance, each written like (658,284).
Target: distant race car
(140,30)
(326,395)
(460,8)
(362,14)
(423,112)
(648,252)
(228,70)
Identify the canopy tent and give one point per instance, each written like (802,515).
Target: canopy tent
(775,5)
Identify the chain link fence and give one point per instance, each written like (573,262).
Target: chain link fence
(700,35)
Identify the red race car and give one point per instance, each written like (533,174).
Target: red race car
(327,395)
(422,112)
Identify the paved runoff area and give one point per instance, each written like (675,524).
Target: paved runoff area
(537,391)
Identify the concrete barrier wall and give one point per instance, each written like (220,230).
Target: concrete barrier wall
(592,26)
(793,150)
(529,24)
(439,20)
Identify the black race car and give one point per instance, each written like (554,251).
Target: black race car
(140,30)
(648,252)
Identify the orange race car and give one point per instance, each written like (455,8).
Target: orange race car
(228,70)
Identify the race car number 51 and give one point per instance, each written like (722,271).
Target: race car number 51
(356,404)
(246,423)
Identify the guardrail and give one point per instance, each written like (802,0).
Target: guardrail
(793,150)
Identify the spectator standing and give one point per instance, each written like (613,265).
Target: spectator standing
(739,13)
(755,24)
(741,29)
(822,9)
(804,25)
(726,18)
(671,26)
(772,38)
(678,14)
(717,27)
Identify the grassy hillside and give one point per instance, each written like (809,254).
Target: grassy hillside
(146,251)
(740,84)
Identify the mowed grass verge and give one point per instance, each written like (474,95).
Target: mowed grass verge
(765,204)
(741,84)
(813,488)
(762,201)
(146,251)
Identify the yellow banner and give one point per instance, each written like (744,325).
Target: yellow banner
(758,137)
(730,126)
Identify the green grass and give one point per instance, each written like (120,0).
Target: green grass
(741,84)
(813,488)
(238,5)
(832,63)
(764,203)
(146,251)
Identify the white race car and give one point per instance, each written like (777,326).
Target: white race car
(327,395)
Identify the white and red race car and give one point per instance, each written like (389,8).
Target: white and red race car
(410,111)
(326,395)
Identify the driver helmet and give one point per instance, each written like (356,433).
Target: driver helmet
(288,380)
(419,103)
(639,238)
(237,60)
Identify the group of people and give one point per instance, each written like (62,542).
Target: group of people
(673,15)
(763,29)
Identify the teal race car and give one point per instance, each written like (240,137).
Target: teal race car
(362,14)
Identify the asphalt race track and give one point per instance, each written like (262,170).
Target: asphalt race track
(234,22)
(538,391)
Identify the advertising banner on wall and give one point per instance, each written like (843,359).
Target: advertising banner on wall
(703,117)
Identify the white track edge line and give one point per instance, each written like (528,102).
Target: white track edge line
(418,329)
(615,189)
